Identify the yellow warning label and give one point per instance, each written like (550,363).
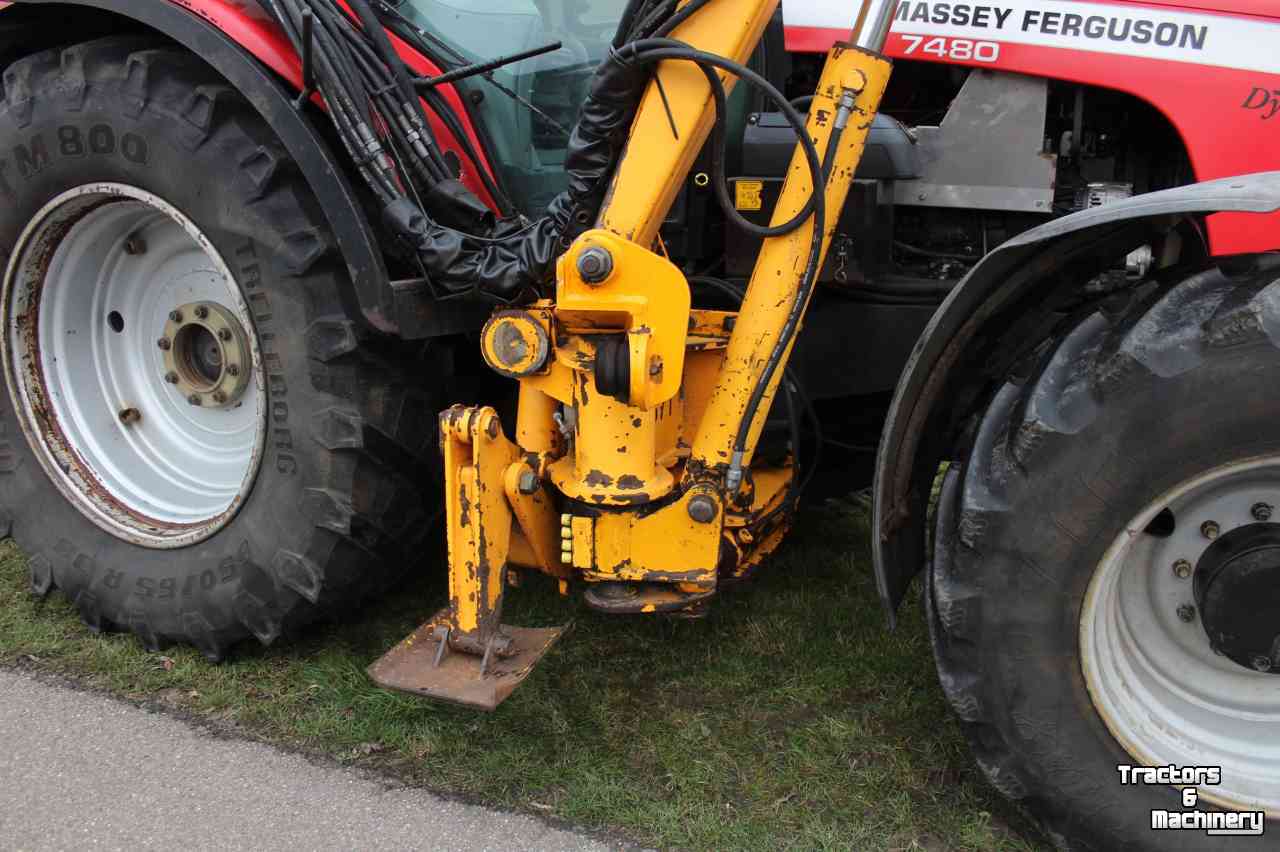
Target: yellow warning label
(746,194)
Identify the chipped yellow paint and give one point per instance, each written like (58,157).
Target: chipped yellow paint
(615,454)
(517,342)
(539,523)
(646,298)
(663,546)
(781,262)
(478,518)
(583,542)
(536,430)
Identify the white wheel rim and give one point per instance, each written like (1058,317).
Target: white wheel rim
(1163,692)
(83,314)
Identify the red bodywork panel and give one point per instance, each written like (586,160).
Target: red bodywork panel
(1218,82)
(250,27)
(1217,79)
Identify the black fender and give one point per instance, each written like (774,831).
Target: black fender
(996,313)
(372,302)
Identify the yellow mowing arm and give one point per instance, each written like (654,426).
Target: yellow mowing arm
(848,97)
(638,416)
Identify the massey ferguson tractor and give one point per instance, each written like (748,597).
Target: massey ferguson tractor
(610,287)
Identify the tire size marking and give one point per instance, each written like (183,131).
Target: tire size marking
(73,142)
(959,49)
(277,389)
(167,588)
(100,139)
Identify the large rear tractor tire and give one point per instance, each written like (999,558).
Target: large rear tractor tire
(1105,588)
(198,444)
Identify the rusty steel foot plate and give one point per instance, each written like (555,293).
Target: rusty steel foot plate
(411,666)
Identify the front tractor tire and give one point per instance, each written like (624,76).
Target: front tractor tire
(1105,587)
(198,446)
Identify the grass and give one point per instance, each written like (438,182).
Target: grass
(788,718)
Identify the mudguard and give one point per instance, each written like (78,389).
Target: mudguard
(1000,291)
(211,42)
(243,45)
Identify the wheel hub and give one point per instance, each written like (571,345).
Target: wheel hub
(205,354)
(1237,589)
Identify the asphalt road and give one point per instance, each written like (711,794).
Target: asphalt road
(81,771)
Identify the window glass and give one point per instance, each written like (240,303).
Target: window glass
(526,108)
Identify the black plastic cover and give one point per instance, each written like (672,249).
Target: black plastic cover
(768,143)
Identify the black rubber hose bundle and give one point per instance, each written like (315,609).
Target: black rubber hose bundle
(517,268)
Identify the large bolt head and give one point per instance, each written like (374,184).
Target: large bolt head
(528,482)
(703,509)
(1182,569)
(164,343)
(1261,511)
(171,377)
(594,264)
(1187,613)
(175,316)
(1210,530)
(195,399)
(202,312)
(1261,663)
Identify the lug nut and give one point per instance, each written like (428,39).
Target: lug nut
(219,397)
(528,483)
(195,399)
(224,334)
(233,369)
(1210,530)
(1182,568)
(1187,613)
(702,509)
(1261,511)
(1261,663)
(201,312)
(164,343)
(129,416)
(175,316)
(594,264)
(171,378)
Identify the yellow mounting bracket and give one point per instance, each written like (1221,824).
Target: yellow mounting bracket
(465,654)
(642,295)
